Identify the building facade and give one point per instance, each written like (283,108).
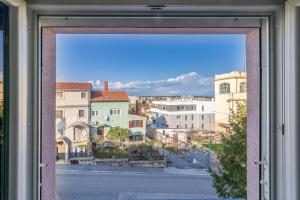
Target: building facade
(111,109)
(230,89)
(183,114)
(72,119)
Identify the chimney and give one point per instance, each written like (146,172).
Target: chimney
(105,85)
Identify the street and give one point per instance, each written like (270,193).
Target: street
(119,183)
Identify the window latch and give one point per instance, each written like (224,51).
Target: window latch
(156,8)
(43,165)
(263,162)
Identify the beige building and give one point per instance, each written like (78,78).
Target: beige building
(72,119)
(230,88)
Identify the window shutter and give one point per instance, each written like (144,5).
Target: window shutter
(130,124)
(141,123)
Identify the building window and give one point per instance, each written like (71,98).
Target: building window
(164,107)
(186,118)
(178,126)
(202,126)
(225,88)
(178,117)
(186,126)
(243,87)
(59,95)
(202,108)
(95,113)
(59,114)
(192,125)
(83,95)
(202,117)
(115,112)
(192,117)
(180,107)
(81,113)
(136,124)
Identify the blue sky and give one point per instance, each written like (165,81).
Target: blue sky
(149,64)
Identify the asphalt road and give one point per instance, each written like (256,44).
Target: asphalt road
(111,185)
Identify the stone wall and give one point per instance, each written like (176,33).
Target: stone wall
(118,162)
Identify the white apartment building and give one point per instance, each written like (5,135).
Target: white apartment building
(230,88)
(183,114)
(72,118)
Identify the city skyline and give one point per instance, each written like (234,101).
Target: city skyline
(171,64)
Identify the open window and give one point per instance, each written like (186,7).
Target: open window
(255,31)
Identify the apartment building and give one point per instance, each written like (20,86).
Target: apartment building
(183,114)
(111,109)
(72,118)
(230,89)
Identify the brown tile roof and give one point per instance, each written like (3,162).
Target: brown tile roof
(73,86)
(109,96)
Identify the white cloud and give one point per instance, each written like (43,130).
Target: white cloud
(98,83)
(91,82)
(186,84)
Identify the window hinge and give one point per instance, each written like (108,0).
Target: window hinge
(281,129)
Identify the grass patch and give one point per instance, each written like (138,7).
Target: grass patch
(214,147)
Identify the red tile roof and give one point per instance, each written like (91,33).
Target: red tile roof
(109,96)
(73,86)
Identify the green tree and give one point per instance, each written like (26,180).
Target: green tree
(230,181)
(118,134)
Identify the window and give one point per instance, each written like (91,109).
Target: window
(192,125)
(243,87)
(180,107)
(203,108)
(136,123)
(81,113)
(225,88)
(178,117)
(164,107)
(59,114)
(202,116)
(186,126)
(83,95)
(115,112)
(186,118)
(178,126)
(202,126)
(95,113)
(59,95)
(192,117)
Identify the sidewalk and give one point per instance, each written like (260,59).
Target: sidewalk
(94,169)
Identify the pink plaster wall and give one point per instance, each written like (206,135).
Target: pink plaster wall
(48,96)
(48,114)
(253,113)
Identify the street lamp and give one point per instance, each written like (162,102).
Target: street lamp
(209,144)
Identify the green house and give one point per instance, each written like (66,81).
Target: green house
(110,109)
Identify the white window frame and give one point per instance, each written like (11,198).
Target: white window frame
(85,94)
(62,95)
(26,187)
(79,113)
(112,112)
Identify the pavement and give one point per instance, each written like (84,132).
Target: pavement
(76,183)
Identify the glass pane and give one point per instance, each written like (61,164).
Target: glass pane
(3,135)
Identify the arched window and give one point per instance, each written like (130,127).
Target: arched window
(224,88)
(243,87)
